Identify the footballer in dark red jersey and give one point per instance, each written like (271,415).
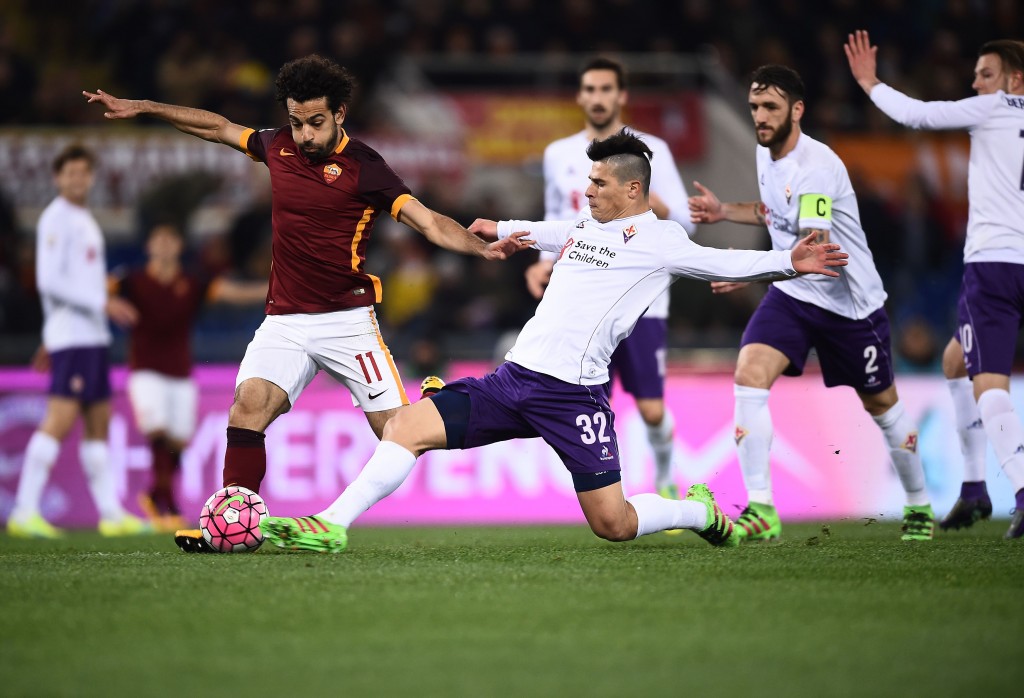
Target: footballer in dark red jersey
(328,189)
(162,393)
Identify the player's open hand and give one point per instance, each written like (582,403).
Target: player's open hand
(813,257)
(705,208)
(485,229)
(863,59)
(503,249)
(116,108)
(538,275)
(121,312)
(40,361)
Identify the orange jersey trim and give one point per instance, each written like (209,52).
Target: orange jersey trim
(243,143)
(378,289)
(401,201)
(344,142)
(360,227)
(387,355)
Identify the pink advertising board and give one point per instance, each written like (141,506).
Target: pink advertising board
(828,458)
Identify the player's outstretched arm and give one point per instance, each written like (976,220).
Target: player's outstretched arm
(706,208)
(813,257)
(227,290)
(445,232)
(195,122)
(863,60)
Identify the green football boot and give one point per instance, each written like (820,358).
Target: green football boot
(33,527)
(758,522)
(304,533)
(719,530)
(918,523)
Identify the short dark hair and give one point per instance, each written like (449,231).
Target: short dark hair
(1010,52)
(313,77)
(75,151)
(784,79)
(628,155)
(603,63)
(166,227)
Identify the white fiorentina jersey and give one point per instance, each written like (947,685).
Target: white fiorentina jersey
(809,188)
(71,274)
(995,175)
(606,276)
(566,173)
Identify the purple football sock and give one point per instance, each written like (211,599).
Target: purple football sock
(973,490)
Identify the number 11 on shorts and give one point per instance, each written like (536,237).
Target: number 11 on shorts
(373,364)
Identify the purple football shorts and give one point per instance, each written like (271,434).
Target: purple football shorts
(989,315)
(856,353)
(639,360)
(81,373)
(514,402)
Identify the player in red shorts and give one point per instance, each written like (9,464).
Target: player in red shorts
(328,190)
(160,387)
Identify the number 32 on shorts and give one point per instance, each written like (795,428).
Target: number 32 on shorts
(593,428)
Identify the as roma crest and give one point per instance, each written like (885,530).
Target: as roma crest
(331,172)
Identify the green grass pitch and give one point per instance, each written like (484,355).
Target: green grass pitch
(845,609)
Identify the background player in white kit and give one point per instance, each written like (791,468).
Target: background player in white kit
(639,361)
(805,189)
(992,295)
(71,273)
(615,260)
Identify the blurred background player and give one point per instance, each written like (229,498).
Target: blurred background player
(71,273)
(639,360)
(328,190)
(162,393)
(991,305)
(805,188)
(554,382)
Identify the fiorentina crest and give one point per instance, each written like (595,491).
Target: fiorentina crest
(628,233)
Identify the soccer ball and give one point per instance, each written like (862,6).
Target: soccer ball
(230,520)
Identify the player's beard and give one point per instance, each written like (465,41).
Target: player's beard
(324,151)
(600,121)
(779,135)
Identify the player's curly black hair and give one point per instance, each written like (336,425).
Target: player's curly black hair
(784,79)
(313,77)
(629,156)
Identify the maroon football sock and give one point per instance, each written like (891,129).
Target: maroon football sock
(166,461)
(245,461)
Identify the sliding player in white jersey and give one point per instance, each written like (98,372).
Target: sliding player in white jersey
(554,383)
(71,273)
(805,189)
(991,305)
(639,361)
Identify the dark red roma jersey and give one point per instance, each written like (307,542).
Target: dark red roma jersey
(323,213)
(162,339)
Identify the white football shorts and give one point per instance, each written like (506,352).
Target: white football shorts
(289,350)
(163,403)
